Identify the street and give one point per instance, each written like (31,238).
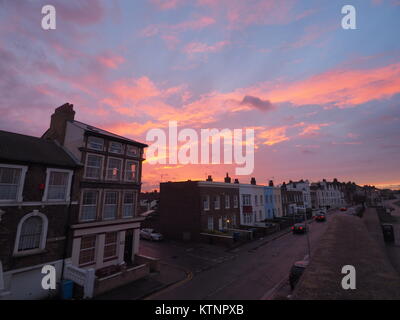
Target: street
(251,272)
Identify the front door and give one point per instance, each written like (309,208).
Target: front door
(128,246)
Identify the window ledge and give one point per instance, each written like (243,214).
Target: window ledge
(29,252)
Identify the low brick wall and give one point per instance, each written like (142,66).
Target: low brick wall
(217,239)
(121,278)
(154,263)
(348,242)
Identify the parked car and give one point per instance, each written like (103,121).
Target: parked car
(320,217)
(296,272)
(150,234)
(388,232)
(343,209)
(299,228)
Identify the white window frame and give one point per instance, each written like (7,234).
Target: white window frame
(105,259)
(68,192)
(235,201)
(101,169)
(21,183)
(117,204)
(88,143)
(126,171)
(227,201)
(210,223)
(208,203)
(137,155)
(246,197)
(96,240)
(109,147)
(215,202)
(43,237)
(135,194)
(120,171)
(82,205)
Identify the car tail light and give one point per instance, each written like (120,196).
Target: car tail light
(301,228)
(292,228)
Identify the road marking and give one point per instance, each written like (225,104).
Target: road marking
(189,276)
(269,293)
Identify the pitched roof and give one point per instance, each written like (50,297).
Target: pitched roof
(103,132)
(23,148)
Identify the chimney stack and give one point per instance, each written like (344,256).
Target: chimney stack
(237,181)
(253,181)
(271,183)
(227,178)
(209,179)
(58,123)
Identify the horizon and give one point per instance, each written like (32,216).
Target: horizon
(323,101)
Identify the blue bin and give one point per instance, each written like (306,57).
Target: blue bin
(67,289)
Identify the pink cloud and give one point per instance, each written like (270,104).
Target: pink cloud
(199,47)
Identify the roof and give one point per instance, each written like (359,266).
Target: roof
(103,132)
(23,148)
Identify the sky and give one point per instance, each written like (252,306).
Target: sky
(324,102)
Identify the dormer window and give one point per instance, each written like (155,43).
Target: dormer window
(132,151)
(95,143)
(116,147)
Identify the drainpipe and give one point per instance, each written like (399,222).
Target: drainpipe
(67,227)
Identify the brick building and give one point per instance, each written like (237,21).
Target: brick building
(105,229)
(190,207)
(38,195)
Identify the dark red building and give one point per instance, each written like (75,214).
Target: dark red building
(191,207)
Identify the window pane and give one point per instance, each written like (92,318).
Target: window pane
(89,205)
(95,143)
(116,147)
(110,245)
(110,205)
(57,188)
(114,169)
(88,249)
(31,233)
(9,183)
(93,166)
(131,170)
(132,151)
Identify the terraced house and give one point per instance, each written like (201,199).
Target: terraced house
(38,195)
(105,231)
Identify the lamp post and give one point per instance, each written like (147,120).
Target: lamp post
(308,237)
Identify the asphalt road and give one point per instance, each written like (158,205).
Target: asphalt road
(251,272)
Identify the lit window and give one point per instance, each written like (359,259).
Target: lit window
(95,143)
(114,169)
(94,164)
(89,205)
(10,179)
(131,170)
(116,147)
(110,205)
(110,245)
(88,250)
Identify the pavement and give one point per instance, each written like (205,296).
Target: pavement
(168,276)
(348,241)
(195,271)
(393,250)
